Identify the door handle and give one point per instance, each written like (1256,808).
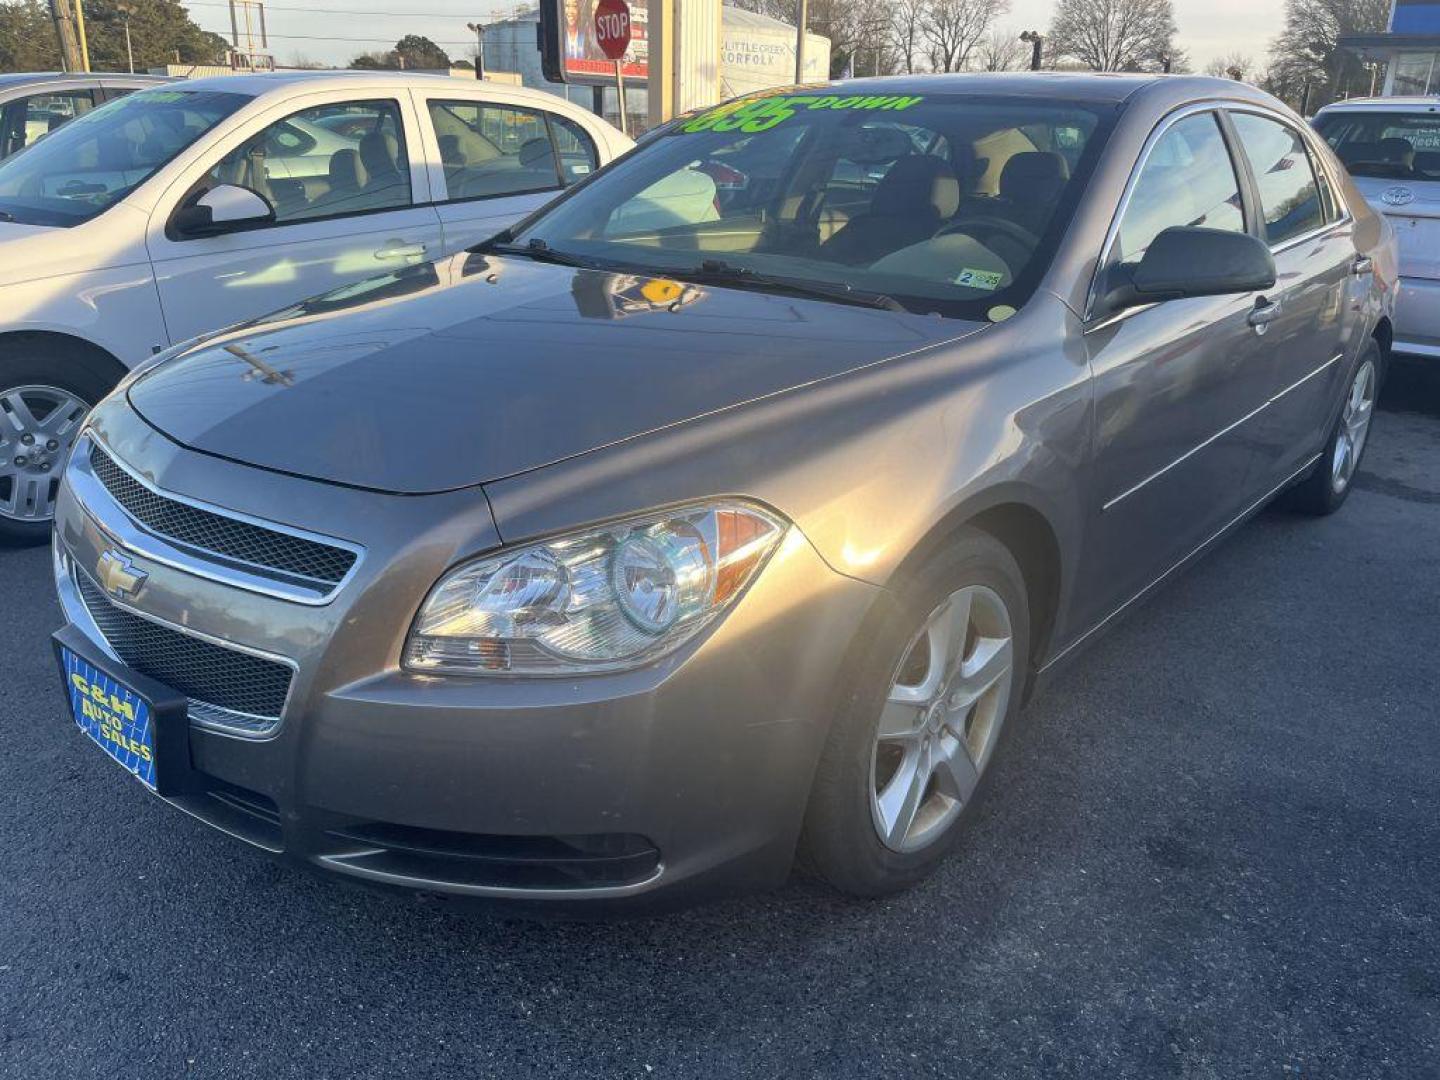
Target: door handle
(398,249)
(1362,265)
(1263,314)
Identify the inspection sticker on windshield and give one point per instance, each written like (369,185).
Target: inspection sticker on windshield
(979,279)
(760,114)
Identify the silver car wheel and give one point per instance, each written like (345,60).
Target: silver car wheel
(1354,427)
(942,718)
(38,425)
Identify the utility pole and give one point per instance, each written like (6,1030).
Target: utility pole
(802,15)
(125,11)
(80,33)
(479,31)
(64,17)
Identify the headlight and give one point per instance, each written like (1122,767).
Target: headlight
(604,599)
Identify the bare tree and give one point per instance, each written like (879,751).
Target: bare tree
(1307,50)
(906,36)
(953,28)
(1233,65)
(1115,35)
(851,26)
(1002,50)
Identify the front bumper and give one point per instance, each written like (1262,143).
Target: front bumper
(690,775)
(1417,317)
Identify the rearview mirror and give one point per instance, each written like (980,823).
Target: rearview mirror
(223,208)
(1185,262)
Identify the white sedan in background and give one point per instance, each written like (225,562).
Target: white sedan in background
(189,207)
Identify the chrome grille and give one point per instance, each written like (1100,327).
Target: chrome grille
(226,688)
(226,537)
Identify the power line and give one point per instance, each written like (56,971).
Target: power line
(357,40)
(340,11)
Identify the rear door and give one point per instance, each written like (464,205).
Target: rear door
(1176,384)
(346,178)
(1314,332)
(497,161)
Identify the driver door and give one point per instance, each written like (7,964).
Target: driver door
(1177,384)
(344,176)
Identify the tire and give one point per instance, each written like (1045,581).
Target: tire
(1326,488)
(56,385)
(842,841)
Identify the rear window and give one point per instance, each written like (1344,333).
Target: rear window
(1385,145)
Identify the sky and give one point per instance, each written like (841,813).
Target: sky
(1208,28)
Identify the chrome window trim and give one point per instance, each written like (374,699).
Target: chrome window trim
(1158,132)
(190,558)
(1112,234)
(1222,432)
(273,723)
(1182,561)
(1306,135)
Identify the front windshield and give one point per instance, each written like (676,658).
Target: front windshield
(90,164)
(942,202)
(1385,145)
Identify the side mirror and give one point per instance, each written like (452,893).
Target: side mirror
(1185,262)
(224,208)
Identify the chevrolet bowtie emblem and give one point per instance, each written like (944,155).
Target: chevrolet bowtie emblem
(118,576)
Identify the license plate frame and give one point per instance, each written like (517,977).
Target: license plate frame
(145,712)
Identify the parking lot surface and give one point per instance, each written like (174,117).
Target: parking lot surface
(1211,849)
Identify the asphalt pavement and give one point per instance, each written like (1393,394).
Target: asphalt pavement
(1212,849)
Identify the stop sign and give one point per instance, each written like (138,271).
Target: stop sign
(612,27)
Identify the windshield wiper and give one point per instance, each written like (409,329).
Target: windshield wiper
(719,272)
(536,249)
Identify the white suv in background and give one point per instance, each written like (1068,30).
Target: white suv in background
(34,104)
(185,208)
(1392,148)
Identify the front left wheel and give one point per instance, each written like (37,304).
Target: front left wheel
(920,721)
(42,405)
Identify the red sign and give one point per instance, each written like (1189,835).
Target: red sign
(612,27)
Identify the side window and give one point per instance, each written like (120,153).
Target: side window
(578,158)
(491,150)
(344,158)
(43,113)
(1188,180)
(1289,195)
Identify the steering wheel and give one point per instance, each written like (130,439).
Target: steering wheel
(980,224)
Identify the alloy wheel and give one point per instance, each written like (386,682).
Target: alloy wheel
(941,719)
(38,426)
(1354,427)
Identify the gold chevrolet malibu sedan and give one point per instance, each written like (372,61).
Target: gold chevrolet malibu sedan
(726,510)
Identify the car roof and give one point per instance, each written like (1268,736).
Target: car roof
(1078,86)
(1394,104)
(274,82)
(17,78)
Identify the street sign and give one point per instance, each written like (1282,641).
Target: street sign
(612,27)
(612,34)
(570,53)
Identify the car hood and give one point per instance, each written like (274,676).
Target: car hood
(475,368)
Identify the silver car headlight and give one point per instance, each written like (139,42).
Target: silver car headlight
(608,598)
